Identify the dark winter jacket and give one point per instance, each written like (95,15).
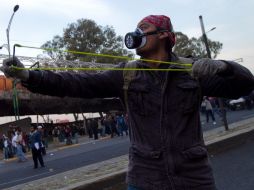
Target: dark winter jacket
(35,137)
(167,149)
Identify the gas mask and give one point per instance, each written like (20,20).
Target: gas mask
(137,39)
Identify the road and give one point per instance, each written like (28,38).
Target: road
(234,169)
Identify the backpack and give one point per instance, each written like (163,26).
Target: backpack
(129,74)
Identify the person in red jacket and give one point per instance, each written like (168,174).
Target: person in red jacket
(167,148)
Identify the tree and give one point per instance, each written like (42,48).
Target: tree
(86,36)
(112,45)
(195,47)
(57,44)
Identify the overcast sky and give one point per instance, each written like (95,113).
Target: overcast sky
(39,20)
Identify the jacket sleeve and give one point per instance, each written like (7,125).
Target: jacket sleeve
(232,83)
(81,85)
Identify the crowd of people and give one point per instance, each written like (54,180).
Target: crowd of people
(15,144)
(110,124)
(18,142)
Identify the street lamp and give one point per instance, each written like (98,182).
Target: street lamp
(16,7)
(205,37)
(211,29)
(224,118)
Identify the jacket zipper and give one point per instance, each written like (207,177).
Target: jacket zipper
(161,129)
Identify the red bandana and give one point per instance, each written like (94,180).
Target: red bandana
(162,22)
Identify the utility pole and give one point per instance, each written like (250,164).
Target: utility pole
(222,108)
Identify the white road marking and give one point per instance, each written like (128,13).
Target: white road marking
(247,116)
(18,180)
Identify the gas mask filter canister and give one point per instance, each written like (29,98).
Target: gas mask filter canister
(135,39)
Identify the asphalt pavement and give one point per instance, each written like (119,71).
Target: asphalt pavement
(234,169)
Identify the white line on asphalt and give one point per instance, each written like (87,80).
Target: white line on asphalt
(24,178)
(55,150)
(247,116)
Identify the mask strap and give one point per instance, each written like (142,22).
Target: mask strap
(153,32)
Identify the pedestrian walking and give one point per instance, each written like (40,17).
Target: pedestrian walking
(6,143)
(94,125)
(75,133)
(55,134)
(19,147)
(43,147)
(68,135)
(209,110)
(36,146)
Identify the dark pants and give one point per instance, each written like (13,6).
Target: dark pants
(209,112)
(95,133)
(37,156)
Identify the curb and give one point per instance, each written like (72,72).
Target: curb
(232,140)
(102,182)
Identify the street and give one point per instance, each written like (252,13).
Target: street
(234,169)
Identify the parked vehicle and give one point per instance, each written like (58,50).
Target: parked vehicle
(239,103)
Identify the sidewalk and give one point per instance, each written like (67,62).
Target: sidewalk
(112,172)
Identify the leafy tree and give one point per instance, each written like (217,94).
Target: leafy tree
(56,44)
(112,45)
(195,47)
(86,36)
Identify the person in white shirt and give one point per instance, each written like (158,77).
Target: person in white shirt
(14,142)
(209,110)
(19,144)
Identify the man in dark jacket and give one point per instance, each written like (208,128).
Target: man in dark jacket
(36,146)
(167,148)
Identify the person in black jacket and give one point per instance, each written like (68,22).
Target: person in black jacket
(36,146)
(167,149)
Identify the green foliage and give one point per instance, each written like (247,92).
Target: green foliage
(86,36)
(195,47)
(57,44)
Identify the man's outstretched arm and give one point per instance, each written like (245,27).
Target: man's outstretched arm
(220,78)
(82,85)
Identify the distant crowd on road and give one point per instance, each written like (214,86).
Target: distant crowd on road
(113,125)
(108,125)
(16,142)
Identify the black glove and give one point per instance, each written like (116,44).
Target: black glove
(9,71)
